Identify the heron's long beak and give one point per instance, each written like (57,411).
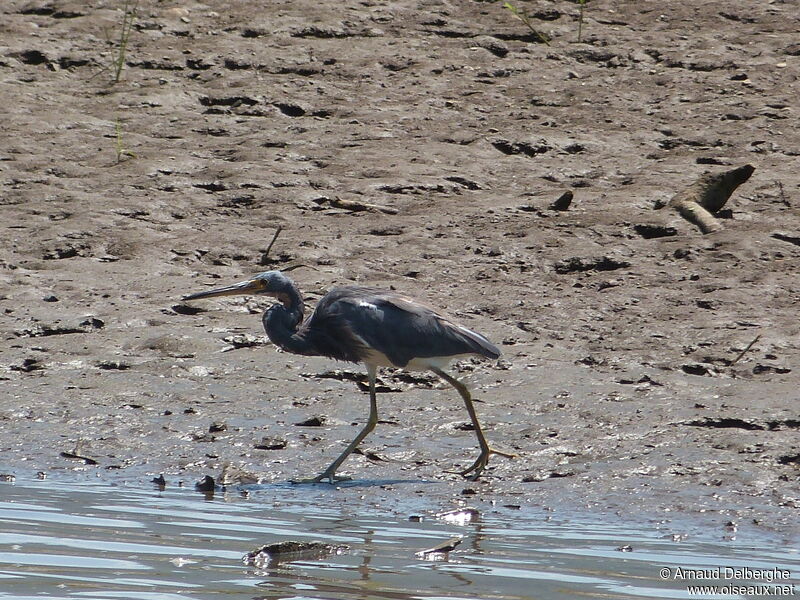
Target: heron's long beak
(251,286)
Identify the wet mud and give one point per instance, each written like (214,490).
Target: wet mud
(424,146)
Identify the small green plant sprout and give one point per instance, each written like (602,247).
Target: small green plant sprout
(582,5)
(522,16)
(120,149)
(129,8)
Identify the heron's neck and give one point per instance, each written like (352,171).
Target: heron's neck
(281,323)
(293,302)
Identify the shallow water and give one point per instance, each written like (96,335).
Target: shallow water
(82,540)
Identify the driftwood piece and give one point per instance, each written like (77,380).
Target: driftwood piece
(442,548)
(700,201)
(271,555)
(354,205)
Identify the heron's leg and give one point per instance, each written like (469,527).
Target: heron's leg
(483,459)
(329,474)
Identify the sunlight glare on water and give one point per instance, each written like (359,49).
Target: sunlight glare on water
(92,541)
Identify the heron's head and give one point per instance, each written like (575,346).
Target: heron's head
(269,283)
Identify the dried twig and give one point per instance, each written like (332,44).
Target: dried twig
(782,195)
(274,237)
(743,352)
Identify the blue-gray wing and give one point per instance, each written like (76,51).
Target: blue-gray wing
(349,322)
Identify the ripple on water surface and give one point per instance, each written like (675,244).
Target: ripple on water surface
(100,541)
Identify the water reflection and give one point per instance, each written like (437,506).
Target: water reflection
(99,541)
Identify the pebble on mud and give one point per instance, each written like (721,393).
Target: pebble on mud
(313,422)
(268,443)
(205,485)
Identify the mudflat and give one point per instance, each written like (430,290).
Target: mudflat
(420,146)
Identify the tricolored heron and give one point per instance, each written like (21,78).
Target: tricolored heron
(376,327)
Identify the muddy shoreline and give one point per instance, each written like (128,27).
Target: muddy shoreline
(647,368)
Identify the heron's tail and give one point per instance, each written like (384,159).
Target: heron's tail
(479,344)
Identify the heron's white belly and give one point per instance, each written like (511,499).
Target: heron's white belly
(439,362)
(379,359)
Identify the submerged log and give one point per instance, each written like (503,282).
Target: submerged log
(272,555)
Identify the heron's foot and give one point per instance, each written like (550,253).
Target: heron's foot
(324,477)
(475,469)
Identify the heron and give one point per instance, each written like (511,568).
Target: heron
(371,326)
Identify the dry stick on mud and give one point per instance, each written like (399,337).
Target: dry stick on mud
(265,256)
(700,201)
(743,352)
